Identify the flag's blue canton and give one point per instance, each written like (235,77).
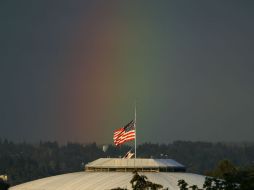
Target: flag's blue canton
(129,126)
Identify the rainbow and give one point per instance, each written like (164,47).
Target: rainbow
(105,73)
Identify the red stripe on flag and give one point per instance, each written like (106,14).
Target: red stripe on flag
(124,137)
(124,134)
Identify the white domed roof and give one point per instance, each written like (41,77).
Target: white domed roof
(105,174)
(107,180)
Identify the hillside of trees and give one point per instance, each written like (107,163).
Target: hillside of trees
(225,176)
(24,162)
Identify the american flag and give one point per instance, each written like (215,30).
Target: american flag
(124,134)
(128,155)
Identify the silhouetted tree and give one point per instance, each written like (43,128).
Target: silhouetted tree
(194,187)
(4,185)
(223,168)
(210,184)
(138,182)
(233,177)
(182,185)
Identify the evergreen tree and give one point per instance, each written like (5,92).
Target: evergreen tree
(4,185)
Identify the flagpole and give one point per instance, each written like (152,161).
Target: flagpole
(135,131)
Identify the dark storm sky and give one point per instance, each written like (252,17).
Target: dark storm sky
(71,70)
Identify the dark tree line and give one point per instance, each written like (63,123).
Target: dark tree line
(24,162)
(225,176)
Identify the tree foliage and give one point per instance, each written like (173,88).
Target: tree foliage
(225,176)
(243,176)
(210,184)
(4,185)
(24,162)
(141,182)
(224,168)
